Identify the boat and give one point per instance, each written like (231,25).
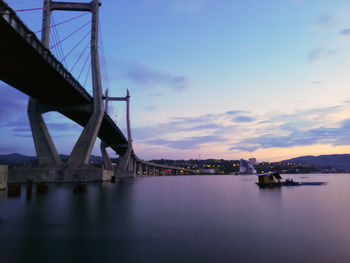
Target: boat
(270,179)
(274,179)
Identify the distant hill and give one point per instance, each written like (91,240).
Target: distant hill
(16,159)
(338,161)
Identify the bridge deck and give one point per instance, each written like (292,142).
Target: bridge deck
(31,68)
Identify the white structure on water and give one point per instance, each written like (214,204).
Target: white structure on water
(245,167)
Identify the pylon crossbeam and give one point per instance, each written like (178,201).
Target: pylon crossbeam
(70,6)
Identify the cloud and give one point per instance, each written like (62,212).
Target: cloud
(345,32)
(22,129)
(149,108)
(308,127)
(318,53)
(147,78)
(12,102)
(324,22)
(15,128)
(243,118)
(208,123)
(63,126)
(209,126)
(322,135)
(23,135)
(187,143)
(6,149)
(250,131)
(13,111)
(234,112)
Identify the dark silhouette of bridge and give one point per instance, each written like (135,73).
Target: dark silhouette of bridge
(28,65)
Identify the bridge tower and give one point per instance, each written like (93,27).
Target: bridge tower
(127,163)
(76,168)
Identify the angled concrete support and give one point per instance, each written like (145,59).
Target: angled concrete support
(107,163)
(45,149)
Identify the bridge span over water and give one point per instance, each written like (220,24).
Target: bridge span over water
(28,65)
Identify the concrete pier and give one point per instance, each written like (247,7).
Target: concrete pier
(37,175)
(3,177)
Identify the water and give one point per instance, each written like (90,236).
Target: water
(180,219)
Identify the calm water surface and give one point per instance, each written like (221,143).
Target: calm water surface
(180,219)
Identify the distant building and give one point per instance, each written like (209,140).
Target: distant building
(252,161)
(245,167)
(206,171)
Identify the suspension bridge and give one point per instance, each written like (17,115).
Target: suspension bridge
(39,69)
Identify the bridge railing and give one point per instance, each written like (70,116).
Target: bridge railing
(9,15)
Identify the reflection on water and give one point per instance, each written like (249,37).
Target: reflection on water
(179,219)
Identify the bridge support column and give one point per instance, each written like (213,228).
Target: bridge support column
(124,164)
(107,163)
(127,156)
(140,168)
(134,168)
(131,166)
(45,149)
(80,154)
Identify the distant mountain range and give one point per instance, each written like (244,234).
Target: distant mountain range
(337,161)
(16,159)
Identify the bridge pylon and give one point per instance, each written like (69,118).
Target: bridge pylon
(77,167)
(127,163)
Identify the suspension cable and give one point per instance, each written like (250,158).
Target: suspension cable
(54,41)
(60,49)
(82,53)
(81,71)
(104,60)
(68,36)
(63,22)
(87,74)
(77,45)
(29,9)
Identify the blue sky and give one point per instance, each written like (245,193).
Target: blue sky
(220,78)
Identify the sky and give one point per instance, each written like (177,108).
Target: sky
(217,79)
